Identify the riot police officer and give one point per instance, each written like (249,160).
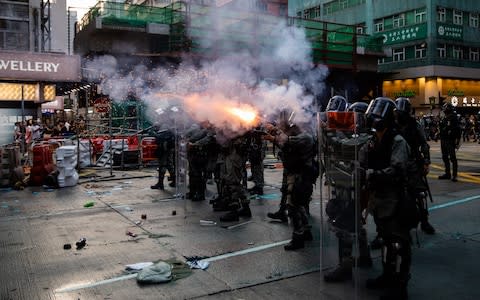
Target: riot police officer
(199,139)
(297,148)
(413,133)
(449,141)
(233,194)
(256,155)
(345,211)
(388,161)
(165,152)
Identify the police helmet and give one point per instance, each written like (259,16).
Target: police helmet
(403,105)
(360,107)
(380,113)
(337,103)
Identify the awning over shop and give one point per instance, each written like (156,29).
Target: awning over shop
(53,105)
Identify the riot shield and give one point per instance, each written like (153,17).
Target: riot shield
(344,246)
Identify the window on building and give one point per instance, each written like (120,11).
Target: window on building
(398,54)
(399,20)
(473,22)
(306,14)
(474,54)
(379,26)
(420,15)
(10,10)
(381,61)
(328,8)
(316,12)
(441,14)
(442,50)
(14,35)
(457,17)
(299,14)
(457,52)
(421,51)
(360,29)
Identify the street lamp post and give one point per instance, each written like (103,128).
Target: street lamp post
(432,103)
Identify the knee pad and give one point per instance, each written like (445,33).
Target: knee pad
(397,256)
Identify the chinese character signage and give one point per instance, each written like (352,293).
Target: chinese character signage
(470,101)
(405,34)
(449,31)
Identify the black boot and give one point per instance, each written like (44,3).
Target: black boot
(245,212)
(220,205)
(296,243)
(381,282)
(307,236)
(397,290)
(279,215)
(158,186)
(231,216)
(256,190)
(427,227)
(342,273)
(445,176)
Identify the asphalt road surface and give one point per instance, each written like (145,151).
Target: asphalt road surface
(246,258)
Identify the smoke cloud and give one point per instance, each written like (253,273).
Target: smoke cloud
(272,75)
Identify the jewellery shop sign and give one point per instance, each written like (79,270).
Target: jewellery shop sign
(39,66)
(464,101)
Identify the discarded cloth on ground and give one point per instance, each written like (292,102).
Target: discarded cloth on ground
(163,271)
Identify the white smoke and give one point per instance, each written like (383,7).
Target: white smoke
(238,77)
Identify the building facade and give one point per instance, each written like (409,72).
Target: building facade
(33,63)
(432,46)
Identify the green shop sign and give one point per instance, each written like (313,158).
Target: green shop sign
(456,92)
(449,31)
(407,94)
(404,34)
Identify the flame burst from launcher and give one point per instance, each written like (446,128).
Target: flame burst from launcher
(246,115)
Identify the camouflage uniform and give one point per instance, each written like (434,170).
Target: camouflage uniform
(199,141)
(232,173)
(256,155)
(165,152)
(298,158)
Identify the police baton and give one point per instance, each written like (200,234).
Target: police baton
(425,181)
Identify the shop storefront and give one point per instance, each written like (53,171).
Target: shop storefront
(427,94)
(26,81)
(463,94)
